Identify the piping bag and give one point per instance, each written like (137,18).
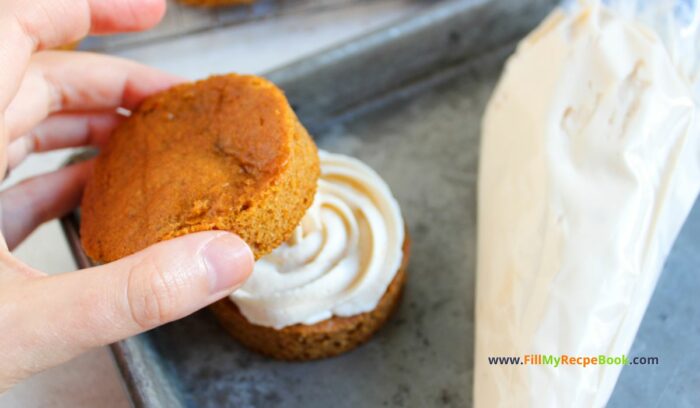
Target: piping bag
(590,164)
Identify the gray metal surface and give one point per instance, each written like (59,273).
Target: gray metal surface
(182,20)
(408,101)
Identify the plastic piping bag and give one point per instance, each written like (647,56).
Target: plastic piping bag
(590,164)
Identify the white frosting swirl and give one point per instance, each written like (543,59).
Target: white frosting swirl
(341,258)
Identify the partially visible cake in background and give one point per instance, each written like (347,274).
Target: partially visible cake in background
(215,3)
(68,47)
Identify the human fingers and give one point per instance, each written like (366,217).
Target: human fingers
(36,200)
(54,318)
(78,81)
(27,26)
(64,130)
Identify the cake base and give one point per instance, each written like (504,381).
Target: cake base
(324,339)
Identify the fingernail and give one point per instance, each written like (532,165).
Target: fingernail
(229,261)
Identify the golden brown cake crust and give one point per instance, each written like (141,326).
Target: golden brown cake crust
(328,338)
(225,153)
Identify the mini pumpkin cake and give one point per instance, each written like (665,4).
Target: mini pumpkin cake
(225,153)
(335,281)
(228,153)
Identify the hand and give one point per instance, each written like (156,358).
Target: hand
(51,100)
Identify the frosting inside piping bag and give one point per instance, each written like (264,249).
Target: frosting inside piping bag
(589,167)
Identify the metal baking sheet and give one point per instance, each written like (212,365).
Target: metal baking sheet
(182,20)
(408,101)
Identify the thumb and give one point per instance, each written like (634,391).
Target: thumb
(57,317)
